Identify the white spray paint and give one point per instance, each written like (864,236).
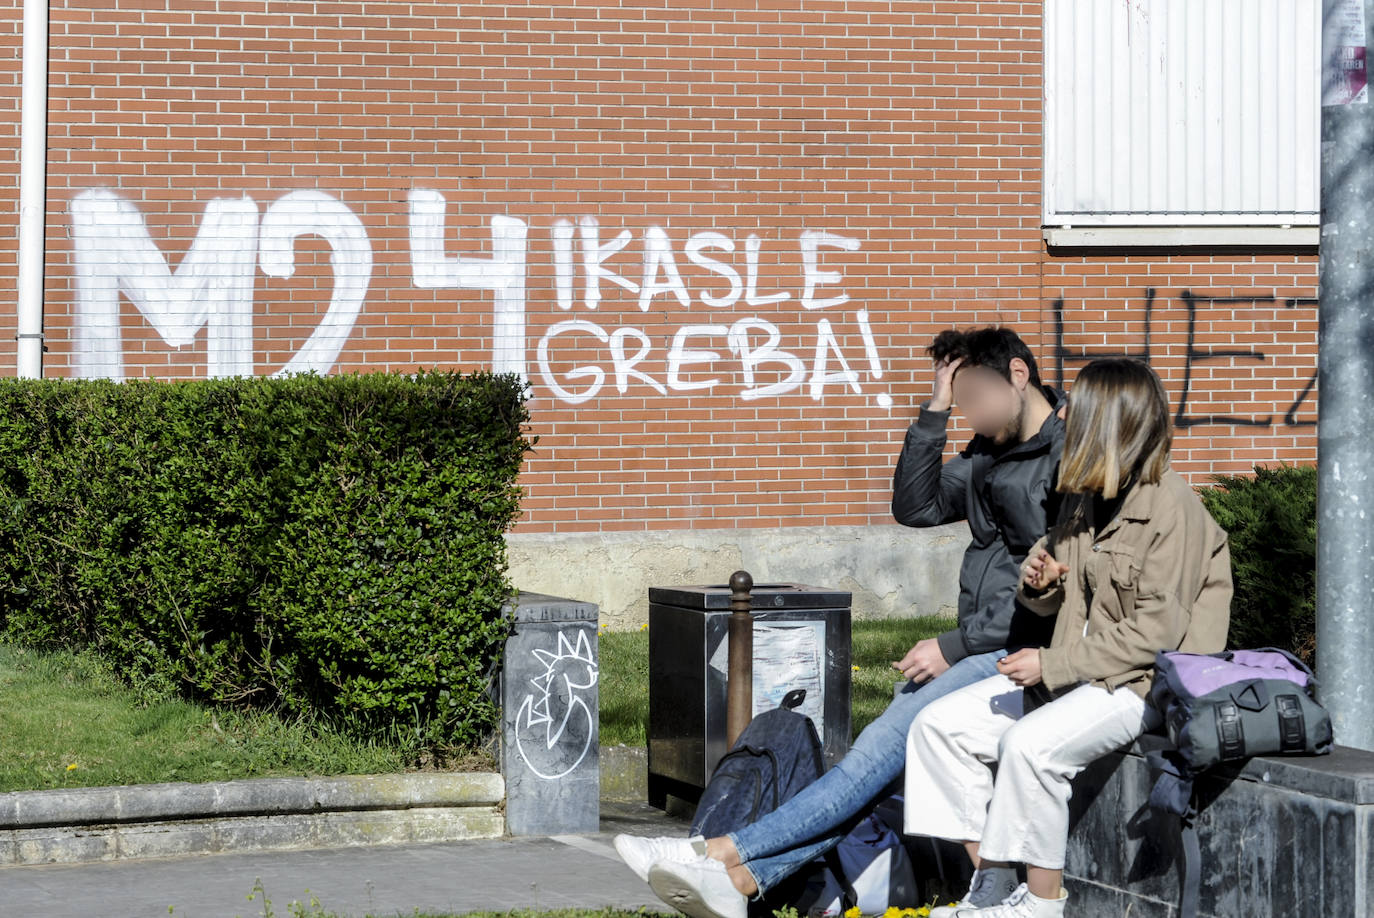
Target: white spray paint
(350,256)
(503,273)
(212,288)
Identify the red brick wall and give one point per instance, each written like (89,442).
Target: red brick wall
(908,131)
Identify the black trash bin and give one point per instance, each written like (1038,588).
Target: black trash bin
(801,640)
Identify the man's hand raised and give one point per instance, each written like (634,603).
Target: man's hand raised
(943,395)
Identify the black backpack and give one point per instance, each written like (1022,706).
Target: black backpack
(777,755)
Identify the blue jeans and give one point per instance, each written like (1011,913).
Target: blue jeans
(811,823)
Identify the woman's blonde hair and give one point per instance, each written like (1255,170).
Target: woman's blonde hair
(1118,428)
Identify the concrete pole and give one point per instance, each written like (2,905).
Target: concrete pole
(1345,418)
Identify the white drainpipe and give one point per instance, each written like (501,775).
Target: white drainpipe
(33,180)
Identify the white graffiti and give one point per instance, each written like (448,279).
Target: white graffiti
(213,288)
(573,663)
(503,273)
(350,256)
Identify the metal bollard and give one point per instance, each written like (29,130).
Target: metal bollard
(740,681)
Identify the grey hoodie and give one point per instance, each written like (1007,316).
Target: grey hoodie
(1007,495)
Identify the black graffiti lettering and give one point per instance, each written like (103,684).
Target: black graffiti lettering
(1193,354)
(1062,353)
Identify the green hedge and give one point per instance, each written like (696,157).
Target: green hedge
(321,545)
(1272,521)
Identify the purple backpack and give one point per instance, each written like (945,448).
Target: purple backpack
(1226,707)
(1239,703)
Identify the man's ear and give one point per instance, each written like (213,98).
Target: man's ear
(1020,373)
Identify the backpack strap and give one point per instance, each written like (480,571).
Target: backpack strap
(1190,881)
(1172,792)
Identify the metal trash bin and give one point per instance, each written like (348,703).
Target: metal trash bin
(801,640)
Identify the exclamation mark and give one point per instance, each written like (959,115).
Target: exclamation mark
(871,350)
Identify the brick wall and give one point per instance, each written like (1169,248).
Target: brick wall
(780,204)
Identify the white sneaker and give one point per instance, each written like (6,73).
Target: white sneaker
(990,886)
(1020,904)
(698,889)
(641,853)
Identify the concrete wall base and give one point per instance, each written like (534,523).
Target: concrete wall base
(892,571)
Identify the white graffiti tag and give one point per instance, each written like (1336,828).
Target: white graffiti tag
(555,726)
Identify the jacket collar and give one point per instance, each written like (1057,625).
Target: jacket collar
(1137,506)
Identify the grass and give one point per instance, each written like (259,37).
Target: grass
(875,644)
(67,721)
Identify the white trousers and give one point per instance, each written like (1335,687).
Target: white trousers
(1022,816)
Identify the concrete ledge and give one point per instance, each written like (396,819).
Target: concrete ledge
(1284,237)
(160,820)
(625,774)
(1279,836)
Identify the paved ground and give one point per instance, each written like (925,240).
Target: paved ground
(568,871)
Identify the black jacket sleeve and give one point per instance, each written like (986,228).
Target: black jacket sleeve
(925,491)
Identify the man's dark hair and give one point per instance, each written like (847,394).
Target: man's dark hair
(990,347)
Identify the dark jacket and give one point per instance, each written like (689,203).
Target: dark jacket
(1007,495)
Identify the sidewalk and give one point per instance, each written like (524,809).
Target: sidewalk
(576,871)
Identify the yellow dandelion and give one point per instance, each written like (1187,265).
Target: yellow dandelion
(644,627)
(71,767)
(854,912)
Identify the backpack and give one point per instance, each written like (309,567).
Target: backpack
(1226,707)
(869,869)
(777,755)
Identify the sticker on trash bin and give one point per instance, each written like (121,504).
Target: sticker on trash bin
(786,657)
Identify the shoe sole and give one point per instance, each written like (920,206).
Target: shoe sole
(681,896)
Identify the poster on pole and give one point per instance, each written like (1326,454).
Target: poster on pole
(1345,68)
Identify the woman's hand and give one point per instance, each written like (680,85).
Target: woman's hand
(1041,571)
(1022,667)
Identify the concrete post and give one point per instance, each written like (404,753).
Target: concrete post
(550,746)
(1345,425)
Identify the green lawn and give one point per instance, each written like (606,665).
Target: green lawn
(65,721)
(625,673)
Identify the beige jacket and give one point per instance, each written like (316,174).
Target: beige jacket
(1157,577)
